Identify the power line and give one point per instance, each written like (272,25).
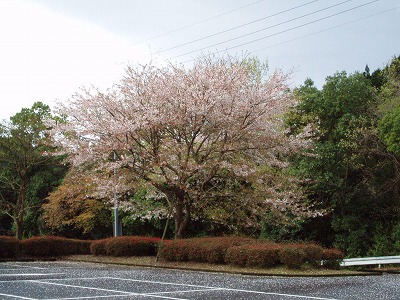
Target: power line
(327,29)
(269,27)
(233,28)
(199,22)
(283,31)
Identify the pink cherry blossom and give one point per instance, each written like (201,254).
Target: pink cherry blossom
(177,128)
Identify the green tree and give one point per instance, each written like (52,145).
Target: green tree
(343,167)
(389,125)
(24,155)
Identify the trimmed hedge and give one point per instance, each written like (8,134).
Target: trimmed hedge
(331,258)
(238,251)
(125,246)
(98,247)
(267,255)
(9,247)
(261,255)
(292,257)
(45,246)
(210,250)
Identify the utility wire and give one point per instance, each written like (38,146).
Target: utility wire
(236,27)
(275,25)
(199,22)
(280,32)
(327,29)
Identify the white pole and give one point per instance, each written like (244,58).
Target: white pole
(117,229)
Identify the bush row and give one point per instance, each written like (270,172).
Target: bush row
(9,247)
(125,246)
(246,252)
(237,251)
(43,246)
(211,250)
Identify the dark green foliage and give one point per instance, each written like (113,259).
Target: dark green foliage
(396,238)
(348,170)
(9,247)
(28,170)
(390,130)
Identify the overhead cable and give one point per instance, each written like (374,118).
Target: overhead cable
(245,24)
(327,29)
(199,22)
(280,32)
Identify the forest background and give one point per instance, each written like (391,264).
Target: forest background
(350,173)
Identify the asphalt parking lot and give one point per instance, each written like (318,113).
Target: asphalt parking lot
(73,280)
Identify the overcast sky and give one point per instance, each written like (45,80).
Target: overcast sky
(50,48)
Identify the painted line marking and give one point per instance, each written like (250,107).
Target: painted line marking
(185,291)
(15,276)
(226,289)
(19,297)
(102,290)
(24,266)
(19,269)
(112,296)
(158,294)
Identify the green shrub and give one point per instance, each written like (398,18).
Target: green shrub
(9,247)
(45,246)
(331,258)
(99,247)
(396,238)
(313,254)
(292,256)
(81,246)
(263,255)
(211,250)
(259,255)
(178,250)
(131,246)
(236,256)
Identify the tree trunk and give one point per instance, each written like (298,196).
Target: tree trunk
(19,221)
(20,210)
(181,218)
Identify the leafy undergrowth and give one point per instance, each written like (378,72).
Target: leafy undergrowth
(149,261)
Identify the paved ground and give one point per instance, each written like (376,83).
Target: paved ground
(72,280)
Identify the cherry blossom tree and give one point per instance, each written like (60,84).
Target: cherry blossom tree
(182,130)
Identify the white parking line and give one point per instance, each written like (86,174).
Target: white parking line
(18,297)
(119,296)
(14,277)
(24,266)
(103,290)
(31,274)
(226,289)
(185,291)
(280,294)
(163,295)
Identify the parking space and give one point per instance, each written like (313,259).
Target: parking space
(71,280)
